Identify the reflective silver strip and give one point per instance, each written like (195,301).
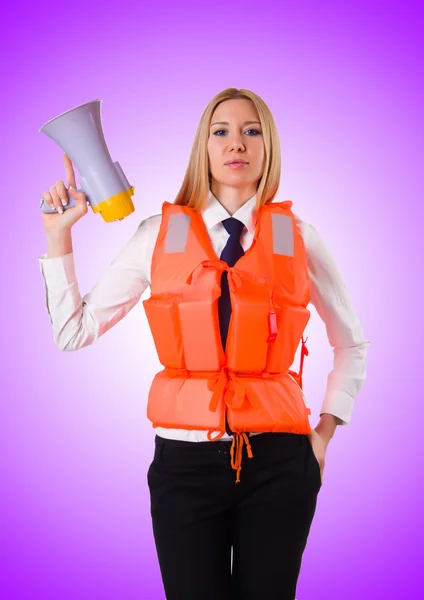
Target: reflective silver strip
(282,233)
(177,232)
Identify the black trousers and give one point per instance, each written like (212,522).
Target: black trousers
(220,540)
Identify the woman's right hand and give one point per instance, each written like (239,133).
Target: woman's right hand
(56,221)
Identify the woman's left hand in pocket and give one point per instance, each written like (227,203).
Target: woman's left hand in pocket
(319,448)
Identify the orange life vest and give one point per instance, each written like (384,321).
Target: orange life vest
(269,289)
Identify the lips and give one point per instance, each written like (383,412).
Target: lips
(235,162)
(236,165)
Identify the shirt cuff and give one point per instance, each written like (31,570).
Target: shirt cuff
(60,269)
(338,403)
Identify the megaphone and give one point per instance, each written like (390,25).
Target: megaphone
(80,135)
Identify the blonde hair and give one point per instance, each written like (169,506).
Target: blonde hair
(195,188)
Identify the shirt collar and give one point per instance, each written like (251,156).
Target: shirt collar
(214,213)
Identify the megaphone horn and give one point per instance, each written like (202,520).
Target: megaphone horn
(79,133)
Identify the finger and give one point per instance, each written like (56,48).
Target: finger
(79,196)
(48,199)
(56,199)
(61,190)
(69,169)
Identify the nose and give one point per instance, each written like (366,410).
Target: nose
(237,144)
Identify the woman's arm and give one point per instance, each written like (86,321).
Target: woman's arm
(77,321)
(331,299)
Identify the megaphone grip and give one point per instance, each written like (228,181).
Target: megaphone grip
(45,208)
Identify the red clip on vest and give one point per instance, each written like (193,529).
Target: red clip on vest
(269,291)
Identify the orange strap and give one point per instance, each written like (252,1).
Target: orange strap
(304,352)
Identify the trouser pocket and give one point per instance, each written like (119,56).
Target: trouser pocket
(313,460)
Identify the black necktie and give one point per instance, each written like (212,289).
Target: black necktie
(232,251)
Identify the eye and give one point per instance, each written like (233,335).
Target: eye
(255,130)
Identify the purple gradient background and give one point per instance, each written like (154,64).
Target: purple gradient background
(344,83)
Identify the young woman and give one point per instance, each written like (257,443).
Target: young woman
(237,468)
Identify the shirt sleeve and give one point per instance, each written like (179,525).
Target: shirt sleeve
(331,300)
(79,321)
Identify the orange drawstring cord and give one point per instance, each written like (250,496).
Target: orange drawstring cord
(238,439)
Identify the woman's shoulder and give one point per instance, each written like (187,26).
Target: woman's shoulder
(302,225)
(314,244)
(151,221)
(149,227)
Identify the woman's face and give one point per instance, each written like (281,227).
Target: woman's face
(235,132)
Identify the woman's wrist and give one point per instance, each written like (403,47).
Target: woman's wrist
(59,242)
(327,426)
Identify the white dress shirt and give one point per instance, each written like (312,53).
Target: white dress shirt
(79,321)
